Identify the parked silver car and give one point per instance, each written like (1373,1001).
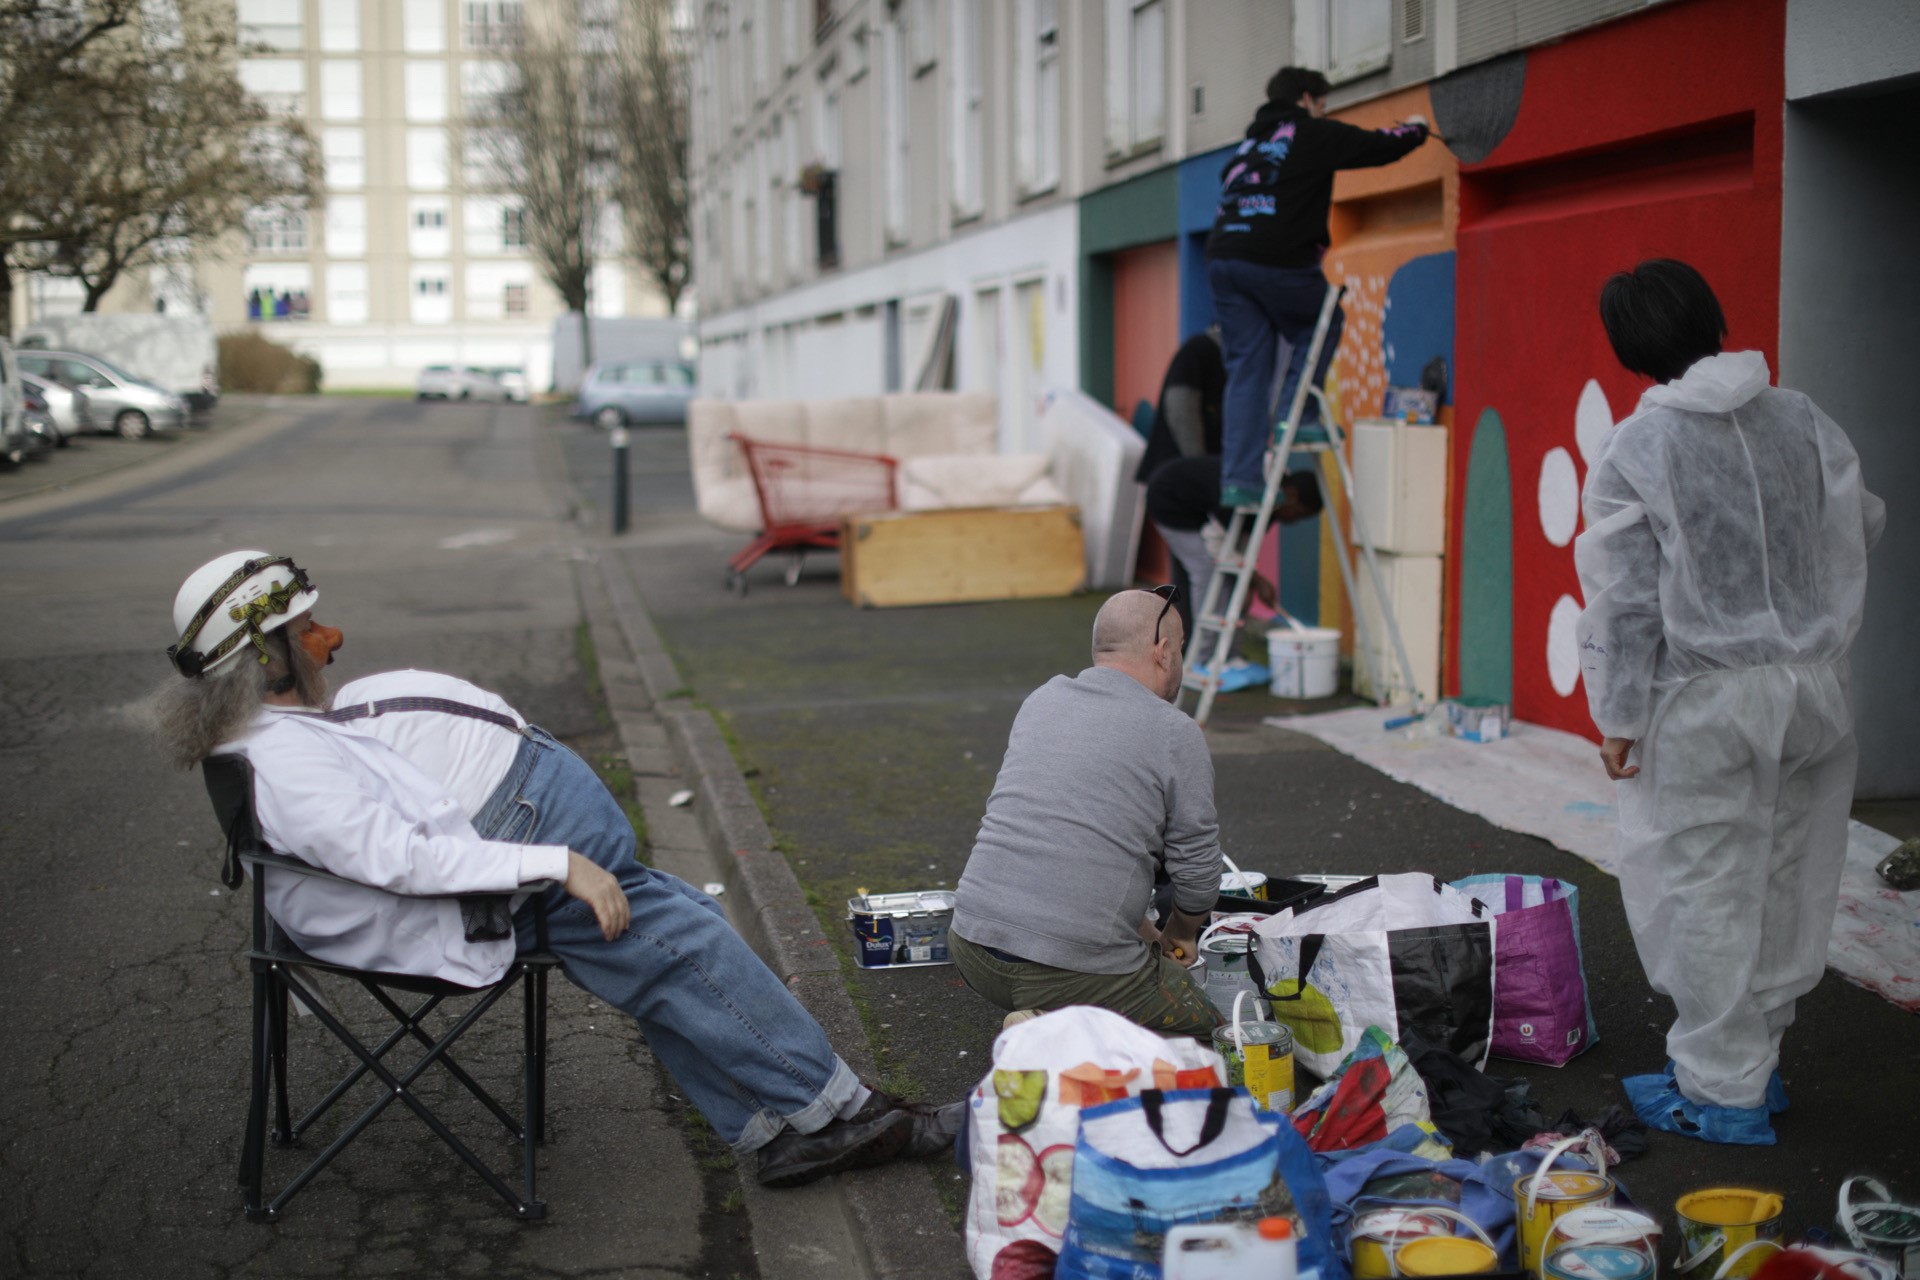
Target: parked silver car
(66,406)
(635,391)
(116,400)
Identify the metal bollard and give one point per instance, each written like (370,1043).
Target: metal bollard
(618,437)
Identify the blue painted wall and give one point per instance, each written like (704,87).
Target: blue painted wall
(1418,324)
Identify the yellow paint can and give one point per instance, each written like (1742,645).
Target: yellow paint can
(1728,1231)
(1376,1234)
(1548,1194)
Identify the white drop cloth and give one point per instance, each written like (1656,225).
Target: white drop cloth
(1548,783)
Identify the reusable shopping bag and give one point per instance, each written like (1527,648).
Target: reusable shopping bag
(1024,1119)
(1148,1164)
(1398,952)
(1540,1008)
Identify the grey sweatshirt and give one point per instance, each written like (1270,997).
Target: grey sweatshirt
(1101,780)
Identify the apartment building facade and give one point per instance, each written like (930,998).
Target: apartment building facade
(418,256)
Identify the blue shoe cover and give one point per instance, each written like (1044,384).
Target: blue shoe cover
(1658,1102)
(1776,1090)
(1238,673)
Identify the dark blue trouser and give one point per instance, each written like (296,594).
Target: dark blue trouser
(1256,306)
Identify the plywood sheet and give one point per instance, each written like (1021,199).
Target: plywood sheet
(974,553)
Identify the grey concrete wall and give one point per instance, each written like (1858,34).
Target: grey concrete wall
(1834,45)
(1849,331)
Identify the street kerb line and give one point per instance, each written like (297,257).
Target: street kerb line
(878,1230)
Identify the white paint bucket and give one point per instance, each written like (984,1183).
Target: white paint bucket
(1305,662)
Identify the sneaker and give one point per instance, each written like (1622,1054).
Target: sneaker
(1241,495)
(1017,1017)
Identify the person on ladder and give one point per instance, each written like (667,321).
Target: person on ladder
(1263,257)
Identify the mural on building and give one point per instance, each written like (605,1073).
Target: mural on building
(1579,159)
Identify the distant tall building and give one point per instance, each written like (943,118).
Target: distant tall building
(415,258)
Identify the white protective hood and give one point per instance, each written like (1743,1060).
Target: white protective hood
(1715,384)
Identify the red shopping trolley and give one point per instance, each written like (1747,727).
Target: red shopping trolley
(803,492)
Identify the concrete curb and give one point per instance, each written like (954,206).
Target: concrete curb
(895,1225)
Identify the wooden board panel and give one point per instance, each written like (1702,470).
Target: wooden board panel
(972,553)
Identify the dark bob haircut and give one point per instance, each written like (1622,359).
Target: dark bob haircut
(1289,83)
(1661,317)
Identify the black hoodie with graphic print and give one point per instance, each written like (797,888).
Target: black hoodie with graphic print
(1277,185)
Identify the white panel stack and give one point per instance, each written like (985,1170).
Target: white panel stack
(1400,489)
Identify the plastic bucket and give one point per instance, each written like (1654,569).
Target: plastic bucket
(1305,663)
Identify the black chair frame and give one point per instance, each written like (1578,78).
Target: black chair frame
(279,970)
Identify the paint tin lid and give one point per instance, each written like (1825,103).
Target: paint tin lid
(1562,1185)
(1598,1262)
(1277,1034)
(1445,1256)
(1604,1224)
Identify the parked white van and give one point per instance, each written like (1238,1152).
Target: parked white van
(175,353)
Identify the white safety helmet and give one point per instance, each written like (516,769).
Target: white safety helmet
(230,602)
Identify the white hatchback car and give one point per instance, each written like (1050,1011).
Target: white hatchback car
(457,382)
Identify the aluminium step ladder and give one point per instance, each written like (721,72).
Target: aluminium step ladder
(1233,567)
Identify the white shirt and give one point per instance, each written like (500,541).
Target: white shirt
(340,798)
(466,756)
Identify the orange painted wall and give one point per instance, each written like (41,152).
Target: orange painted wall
(1146,333)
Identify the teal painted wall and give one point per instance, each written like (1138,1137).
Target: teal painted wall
(1486,566)
(1141,210)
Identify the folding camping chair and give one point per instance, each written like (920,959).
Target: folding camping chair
(279,970)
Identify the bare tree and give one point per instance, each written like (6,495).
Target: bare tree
(650,104)
(44,43)
(149,147)
(544,137)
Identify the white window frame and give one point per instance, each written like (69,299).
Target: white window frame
(761,48)
(1136,76)
(792,28)
(426,90)
(346,227)
(280,84)
(524,289)
(1038,70)
(273,24)
(482,81)
(967,146)
(277,232)
(1345,39)
(490,25)
(345,153)
(923,33)
(427,159)
(430,293)
(342,90)
(340,26)
(424,26)
(796,210)
(828,124)
(347,285)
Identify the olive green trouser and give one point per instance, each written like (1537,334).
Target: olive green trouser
(1160,995)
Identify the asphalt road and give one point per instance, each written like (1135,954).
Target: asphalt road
(873,737)
(434,544)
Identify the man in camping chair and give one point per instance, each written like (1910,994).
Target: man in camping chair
(418,783)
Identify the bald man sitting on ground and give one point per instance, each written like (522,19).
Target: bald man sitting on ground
(1103,780)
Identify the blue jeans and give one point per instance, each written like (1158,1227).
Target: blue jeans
(1257,306)
(730,1033)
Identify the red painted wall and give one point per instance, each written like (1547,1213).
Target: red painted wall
(1655,136)
(1146,333)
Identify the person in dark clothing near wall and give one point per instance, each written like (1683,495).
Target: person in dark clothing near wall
(1186,422)
(1183,501)
(1263,255)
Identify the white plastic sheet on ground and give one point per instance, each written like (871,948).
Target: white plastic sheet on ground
(1548,783)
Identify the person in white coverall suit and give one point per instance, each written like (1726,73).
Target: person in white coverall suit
(1724,565)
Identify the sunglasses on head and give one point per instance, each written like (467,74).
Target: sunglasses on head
(1168,592)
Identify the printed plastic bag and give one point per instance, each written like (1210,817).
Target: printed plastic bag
(1148,1164)
(1024,1120)
(1541,1012)
(1371,1094)
(1398,952)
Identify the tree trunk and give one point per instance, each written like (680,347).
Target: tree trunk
(96,290)
(6,297)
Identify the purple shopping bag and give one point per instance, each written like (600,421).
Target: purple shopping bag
(1540,1007)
